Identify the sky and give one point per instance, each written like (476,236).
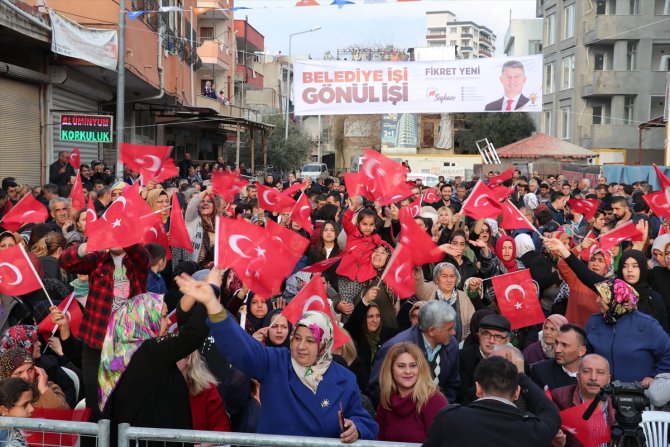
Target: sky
(400,24)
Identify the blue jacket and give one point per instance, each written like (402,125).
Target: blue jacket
(449,379)
(289,407)
(636,346)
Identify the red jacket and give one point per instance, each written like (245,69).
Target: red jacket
(99,266)
(208,412)
(356,263)
(402,423)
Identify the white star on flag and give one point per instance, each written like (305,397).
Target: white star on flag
(116,223)
(260,251)
(518,305)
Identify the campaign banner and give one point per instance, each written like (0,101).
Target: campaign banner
(465,85)
(97,46)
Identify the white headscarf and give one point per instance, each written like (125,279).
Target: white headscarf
(322,329)
(524,244)
(659,244)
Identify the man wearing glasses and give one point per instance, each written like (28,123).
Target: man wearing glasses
(493,331)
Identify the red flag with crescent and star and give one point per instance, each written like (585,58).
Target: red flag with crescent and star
(587,207)
(625,232)
(381,175)
(664,181)
(302,213)
(658,204)
(512,219)
(74,158)
(498,180)
(517,298)
(178,233)
(286,239)
(313,296)
(17,274)
(168,170)
(431,196)
(145,159)
(399,274)
(424,249)
(70,308)
(227,184)
(591,433)
(27,210)
(43,438)
(481,203)
(324,265)
(155,232)
(77,197)
(270,199)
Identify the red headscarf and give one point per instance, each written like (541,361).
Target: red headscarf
(510,265)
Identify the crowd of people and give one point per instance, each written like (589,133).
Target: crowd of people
(442,367)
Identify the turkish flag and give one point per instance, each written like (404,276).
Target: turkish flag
(227,184)
(168,170)
(658,204)
(517,298)
(664,181)
(590,433)
(431,196)
(301,214)
(147,160)
(287,240)
(399,273)
(77,198)
(501,192)
(292,189)
(71,310)
(627,231)
(122,224)
(662,230)
(402,191)
(313,296)
(587,207)
(91,216)
(481,203)
(272,200)
(424,250)
(324,265)
(155,232)
(174,327)
(74,158)
(381,175)
(178,233)
(498,180)
(512,219)
(27,210)
(586,254)
(17,274)
(48,439)
(356,186)
(414,208)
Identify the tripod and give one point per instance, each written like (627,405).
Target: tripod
(627,437)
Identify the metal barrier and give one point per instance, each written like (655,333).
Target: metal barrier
(128,433)
(59,430)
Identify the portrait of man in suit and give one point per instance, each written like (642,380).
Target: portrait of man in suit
(513,78)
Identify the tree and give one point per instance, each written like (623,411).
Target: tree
(500,128)
(285,155)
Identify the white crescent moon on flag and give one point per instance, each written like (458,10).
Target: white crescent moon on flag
(397,272)
(305,207)
(369,166)
(478,199)
(26,213)
(233,241)
(94,216)
(265,197)
(13,268)
(655,199)
(154,231)
(121,200)
(310,300)
(514,287)
(155,162)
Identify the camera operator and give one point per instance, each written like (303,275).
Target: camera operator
(593,372)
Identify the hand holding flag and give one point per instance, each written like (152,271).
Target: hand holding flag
(516,295)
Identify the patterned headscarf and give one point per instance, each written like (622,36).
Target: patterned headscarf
(322,329)
(13,358)
(620,298)
(21,335)
(138,320)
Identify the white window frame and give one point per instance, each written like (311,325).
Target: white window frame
(568,72)
(569,21)
(566,122)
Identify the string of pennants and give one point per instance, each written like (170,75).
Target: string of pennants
(132,15)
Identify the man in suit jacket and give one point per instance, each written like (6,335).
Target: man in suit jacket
(562,369)
(493,419)
(434,335)
(513,78)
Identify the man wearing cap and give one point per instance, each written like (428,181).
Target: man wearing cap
(562,369)
(493,331)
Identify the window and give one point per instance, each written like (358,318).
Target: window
(534,47)
(568,72)
(566,120)
(656,106)
(634,7)
(453,43)
(546,122)
(453,30)
(629,110)
(550,29)
(466,29)
(631,56)
(549,78)
(569,21)
(599,63)
(601,7)
(597,114)
(206,33)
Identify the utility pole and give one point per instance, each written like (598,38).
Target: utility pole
(121,88)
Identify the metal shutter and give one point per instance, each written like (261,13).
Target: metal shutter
(20,147)
(65,101)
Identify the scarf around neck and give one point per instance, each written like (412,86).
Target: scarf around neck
(321,328)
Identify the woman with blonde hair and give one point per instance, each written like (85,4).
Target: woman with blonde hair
(207,409)
(408,400)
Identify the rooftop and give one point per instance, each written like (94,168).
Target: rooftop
(542,145)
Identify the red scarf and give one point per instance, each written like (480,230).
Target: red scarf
(510,265)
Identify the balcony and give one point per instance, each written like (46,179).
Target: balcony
(467,36)
(484,41)
(484,52)
(468,49)
(252,79)
(608,28)
(248,38)
(227,110)
(613,136)
(436,36)
(609,82)
(213,55)
(218,9)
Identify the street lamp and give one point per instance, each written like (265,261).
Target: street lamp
(288,75)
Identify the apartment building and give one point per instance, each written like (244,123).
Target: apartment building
(472,40)
(605,70)
(217,47)
(523,37)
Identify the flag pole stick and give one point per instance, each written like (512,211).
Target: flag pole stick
(160,210)
(217,226)
(53,332)
(529,222)
(397,249)
(32,267)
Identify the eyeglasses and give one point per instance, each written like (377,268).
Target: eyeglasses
(485,230)
(496,337)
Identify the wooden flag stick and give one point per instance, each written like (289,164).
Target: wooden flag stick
(32,267)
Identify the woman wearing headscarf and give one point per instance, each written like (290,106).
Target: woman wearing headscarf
(501,261)
(303,390)
(140,382)
(659,278)
(18,362)
(658,250)
(275,331)
(253,307)
(159,200)
(544,347)
(380,293)
(634,343)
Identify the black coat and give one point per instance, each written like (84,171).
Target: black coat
(659,280)
(468,359)
(548,372)
(489,422)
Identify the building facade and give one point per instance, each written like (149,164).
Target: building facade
(472,40)
(523,37)
(605,68)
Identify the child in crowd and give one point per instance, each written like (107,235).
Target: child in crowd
(155,282)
